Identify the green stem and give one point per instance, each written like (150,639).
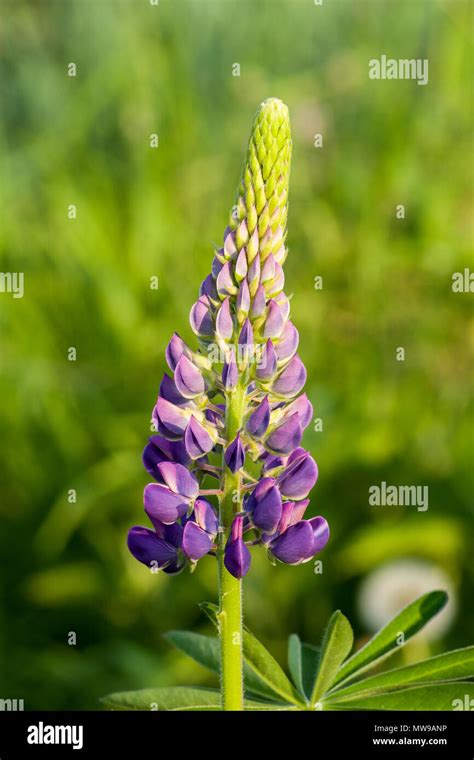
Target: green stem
(230,588)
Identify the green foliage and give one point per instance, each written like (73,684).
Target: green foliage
(337,643)
(433,684)
(177,698)
(410,620)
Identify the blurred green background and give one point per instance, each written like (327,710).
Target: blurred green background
(144,212)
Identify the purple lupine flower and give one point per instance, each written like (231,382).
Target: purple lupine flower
(247,354)
(259,419)
(267,365)
(296,541)
(234,454)
(198,439)
(163,504)
(174,351)
(236,554)
(285,437)
(265,505)
(159,450)
(230,373)
(151,550)
(298,476)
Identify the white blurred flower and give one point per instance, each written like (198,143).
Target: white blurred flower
(394,585)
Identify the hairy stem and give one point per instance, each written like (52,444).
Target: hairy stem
(230,588)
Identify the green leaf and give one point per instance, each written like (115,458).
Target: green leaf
(303,660)
(310,661)
(337,644)
(268,670)
(295,661)
(444,667)
(179,698)
(409,621)
(166,698)
(206,651)
(202,649)
(439,696)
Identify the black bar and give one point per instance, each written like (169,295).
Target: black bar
(302,734)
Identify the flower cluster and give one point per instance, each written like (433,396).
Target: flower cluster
(246,360)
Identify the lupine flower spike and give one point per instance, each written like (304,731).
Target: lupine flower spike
(246,344)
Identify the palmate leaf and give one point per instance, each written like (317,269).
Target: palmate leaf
(206,651)
(178,698)
(451,666)
(337,644)
(408,622)
(454,695)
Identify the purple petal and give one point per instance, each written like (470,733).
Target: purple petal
(274,321)
(200,318)
(179,479)
(288,343)
(174,351)
(271,462)
(171,419)
(243,298)
(173,533)
(162,504)
(303,406)
(253,275)
(267,364)
(259,420)
(241,266)
(230,373)
(295,544)
(217,263)
(246,334)
(259,302)
(205,516)
(214,416)
(229,243)
(224,282)
(236,554)
(262,487)
(291,379)
(224,321)
(298,477)
(196,542)
(149,549)
(235,454)
(320,530)
(197,440)
(284,305)
(189,380)
(276,285)
(297,513)
(152,456)
(169,391)
(208,288)
(267,512)
(287,436)
(161,450)
(268,269)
